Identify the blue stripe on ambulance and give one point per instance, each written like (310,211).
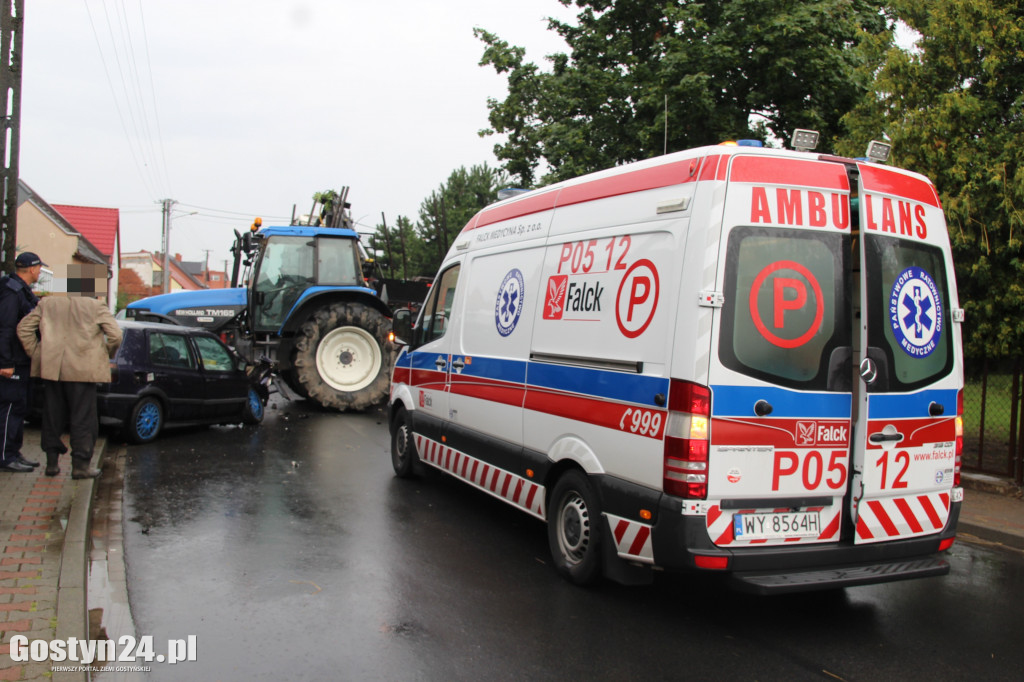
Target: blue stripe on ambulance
(910,405)
(738,401)
(597,383)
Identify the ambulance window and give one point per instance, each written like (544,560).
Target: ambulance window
(909,312)
(784,296)
(438,308)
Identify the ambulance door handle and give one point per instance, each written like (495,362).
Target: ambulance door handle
(440,363)
(763,408)
(458,364)
(883,437)
(936,409)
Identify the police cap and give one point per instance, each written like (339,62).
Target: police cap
(27,260)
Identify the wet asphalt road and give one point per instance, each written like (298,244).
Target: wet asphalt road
(292,553)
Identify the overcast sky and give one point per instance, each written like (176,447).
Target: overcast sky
(239,108)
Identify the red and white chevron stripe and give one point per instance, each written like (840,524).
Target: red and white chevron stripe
(901,517)
(632,539)
(516,490)
(720,527)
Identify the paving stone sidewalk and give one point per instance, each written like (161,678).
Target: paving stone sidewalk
(43,543)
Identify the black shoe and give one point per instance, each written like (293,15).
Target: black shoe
(81,469)
(15,465)
(21,458)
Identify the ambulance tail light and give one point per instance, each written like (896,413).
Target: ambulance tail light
(686,441)
(958,462)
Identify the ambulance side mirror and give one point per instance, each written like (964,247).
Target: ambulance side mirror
(401,324)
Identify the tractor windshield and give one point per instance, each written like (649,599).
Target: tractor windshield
(288,265)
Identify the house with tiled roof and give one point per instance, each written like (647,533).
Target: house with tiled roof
(45,231)
(149,267)
(102,227)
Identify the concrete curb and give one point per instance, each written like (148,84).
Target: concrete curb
(993,510)
(989,534)
(72,593)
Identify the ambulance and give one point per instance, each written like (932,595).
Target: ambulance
(731,359)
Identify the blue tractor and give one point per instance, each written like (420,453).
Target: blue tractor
(305,304)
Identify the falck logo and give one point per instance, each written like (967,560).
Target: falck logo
(555,300)
(806,433)
(813,433)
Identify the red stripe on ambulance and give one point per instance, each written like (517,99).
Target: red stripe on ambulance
(664,175)
(519,491)
(885,181)
(902,517)
(502,392)
(632,539)
(790,172)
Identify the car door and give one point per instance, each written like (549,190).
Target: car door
(907,399)
(225,386)
(175,373)
(430,360)
(781,370)
(835,382)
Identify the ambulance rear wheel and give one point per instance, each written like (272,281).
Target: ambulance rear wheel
(403,449)
(574,529)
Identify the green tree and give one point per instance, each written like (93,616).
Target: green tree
(391,245)
(736,68)
(954,110)
(406,250)
(446,211)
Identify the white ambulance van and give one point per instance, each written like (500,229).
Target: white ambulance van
(727,359)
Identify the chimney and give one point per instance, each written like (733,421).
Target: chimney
(177,257)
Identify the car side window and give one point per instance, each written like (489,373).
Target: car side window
(213,355)
(170,350)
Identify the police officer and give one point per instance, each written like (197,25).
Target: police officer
(16,301)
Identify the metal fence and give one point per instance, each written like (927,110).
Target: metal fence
(994,418)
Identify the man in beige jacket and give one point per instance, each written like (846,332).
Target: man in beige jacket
(70,339)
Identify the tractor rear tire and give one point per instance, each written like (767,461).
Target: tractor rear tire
(343,357)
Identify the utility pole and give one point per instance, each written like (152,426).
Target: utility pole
(167,204)
(12,23)
(206,268)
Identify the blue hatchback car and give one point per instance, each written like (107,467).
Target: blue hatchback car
(166,374)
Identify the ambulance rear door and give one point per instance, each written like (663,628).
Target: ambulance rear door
(906,402)
(781,368)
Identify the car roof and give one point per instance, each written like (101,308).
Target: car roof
(163,327)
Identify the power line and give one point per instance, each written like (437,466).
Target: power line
(152,94)
(244,214)
(140,125)
(117,105)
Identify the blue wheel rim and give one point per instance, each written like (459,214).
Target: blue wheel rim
(255,404)
(148,421)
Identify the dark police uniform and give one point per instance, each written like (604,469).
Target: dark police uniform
(16,301)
